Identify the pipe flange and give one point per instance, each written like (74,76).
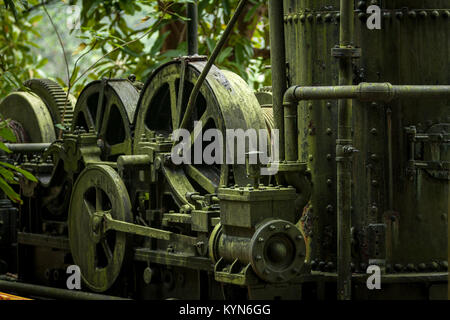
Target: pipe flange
(278,251)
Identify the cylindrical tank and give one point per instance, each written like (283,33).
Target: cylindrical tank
(399,205)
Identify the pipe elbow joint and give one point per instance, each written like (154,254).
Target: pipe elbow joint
(290,97)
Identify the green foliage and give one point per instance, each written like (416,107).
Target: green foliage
(240,54)
(107,25)
(9,174)
(17,38)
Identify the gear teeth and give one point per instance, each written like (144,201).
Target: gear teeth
(55,98)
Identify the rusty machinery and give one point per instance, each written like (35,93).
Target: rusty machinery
(363,175)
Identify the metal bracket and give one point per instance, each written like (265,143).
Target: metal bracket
(434,145)
(349,52)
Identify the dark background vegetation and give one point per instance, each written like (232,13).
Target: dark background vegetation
(124,37)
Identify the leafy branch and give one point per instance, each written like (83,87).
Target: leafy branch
(10,174)
(70,76)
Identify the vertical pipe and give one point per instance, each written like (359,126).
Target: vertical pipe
(192,28)
(278,61)
(290,132)
(343,156)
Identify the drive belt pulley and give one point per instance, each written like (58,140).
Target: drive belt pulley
(224,102)
(106,108)
(99,190)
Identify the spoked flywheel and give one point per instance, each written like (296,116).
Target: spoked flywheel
(225,102)
(107,108)
(98,191)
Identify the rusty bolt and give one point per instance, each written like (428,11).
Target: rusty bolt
(321,265)
(434,266)
(329,208)
(374,131)
(412,14)
(330,266)
(329,131)
(422,266)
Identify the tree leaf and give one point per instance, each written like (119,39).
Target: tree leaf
(79,49)
(7,134)
(9,191)
(25,173)
(4,147)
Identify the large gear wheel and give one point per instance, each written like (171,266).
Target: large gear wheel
(35,113)
(55,98)
(100,255)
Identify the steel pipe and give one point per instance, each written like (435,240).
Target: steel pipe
(343,157)
(278,62)
(31,290)
(384,92)
(27,147)
(192,28)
